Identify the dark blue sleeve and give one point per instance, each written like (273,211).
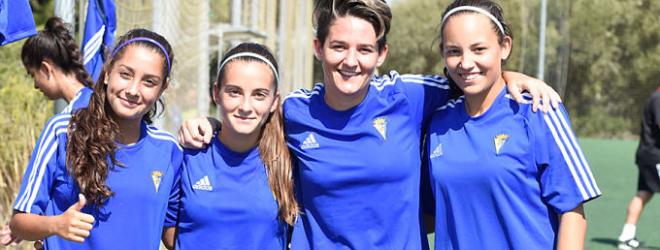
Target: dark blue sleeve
(298,235)
(427,199)
(174,202)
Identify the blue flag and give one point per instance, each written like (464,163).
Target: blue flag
(16,21)
(100,26)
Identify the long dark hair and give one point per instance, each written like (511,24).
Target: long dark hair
(273,149)
(93,132)
(56,44)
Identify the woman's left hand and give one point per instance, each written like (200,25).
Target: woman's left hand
(543,96)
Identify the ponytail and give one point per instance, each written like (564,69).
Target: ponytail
(56,44)
(277,158)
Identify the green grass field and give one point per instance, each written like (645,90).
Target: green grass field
(612,163)
(613,166)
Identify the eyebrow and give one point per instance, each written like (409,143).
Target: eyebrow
(133,71)
(342,42)
(229,85)
(471,45)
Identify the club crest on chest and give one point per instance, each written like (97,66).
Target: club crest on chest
(380,124)
(500,140)
(156,177)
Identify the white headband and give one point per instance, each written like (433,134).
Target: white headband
(475,9)
(256,56)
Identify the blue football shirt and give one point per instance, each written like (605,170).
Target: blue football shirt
(16,21)
(359,170)
(226,202)
(134,216)
(80,100)
(504,176)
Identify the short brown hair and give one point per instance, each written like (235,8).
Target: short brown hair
(376,12)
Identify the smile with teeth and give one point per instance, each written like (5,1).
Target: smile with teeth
(348,73)
(470,76)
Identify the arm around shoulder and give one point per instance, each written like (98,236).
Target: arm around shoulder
(197,133)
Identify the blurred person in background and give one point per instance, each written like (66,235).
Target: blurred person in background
(54,61)
(647,159)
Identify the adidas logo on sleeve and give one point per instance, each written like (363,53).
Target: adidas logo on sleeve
(203,184)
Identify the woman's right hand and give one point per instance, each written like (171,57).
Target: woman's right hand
(197,133)
(73,224)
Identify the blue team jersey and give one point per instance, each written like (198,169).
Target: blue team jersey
(143,188)
(358,170)
(16,21)
(80,100)
(226,202)
(504,176)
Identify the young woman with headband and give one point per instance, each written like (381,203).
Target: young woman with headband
(103,177)
(515,178)
(238,192)
(53,59)
(356,136)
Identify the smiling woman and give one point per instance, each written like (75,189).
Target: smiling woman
(348,61)
(522,179)
(238,193)
(105,166)
(133,87)
(356,136)
(246,99)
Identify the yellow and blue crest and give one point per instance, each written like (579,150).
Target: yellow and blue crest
(380,124)
(156,177)
(499,142)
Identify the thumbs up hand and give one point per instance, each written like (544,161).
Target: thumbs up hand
(74,225)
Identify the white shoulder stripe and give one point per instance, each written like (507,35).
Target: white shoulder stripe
(45,151)
(451,103)
(55,122)
(585,171)
(527,98)
(46,139)
(433,81)
(162,135)
(69,107)
(567,145)
(304,93)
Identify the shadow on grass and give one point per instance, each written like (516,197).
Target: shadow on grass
(614,242)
